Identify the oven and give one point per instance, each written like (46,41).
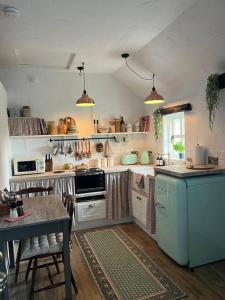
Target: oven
(90,195)
(89,182)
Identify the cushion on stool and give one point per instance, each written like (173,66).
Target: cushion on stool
(41,245)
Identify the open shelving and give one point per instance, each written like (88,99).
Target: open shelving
(77,135)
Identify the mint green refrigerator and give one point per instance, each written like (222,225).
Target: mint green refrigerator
(190,218)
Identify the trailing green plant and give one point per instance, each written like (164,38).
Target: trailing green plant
(179,147)
(212,97)
(157,123)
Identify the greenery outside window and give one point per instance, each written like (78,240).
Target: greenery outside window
(174,135)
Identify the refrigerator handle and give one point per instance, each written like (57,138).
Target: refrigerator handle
(159,205)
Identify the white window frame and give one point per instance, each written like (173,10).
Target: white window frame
(169,135)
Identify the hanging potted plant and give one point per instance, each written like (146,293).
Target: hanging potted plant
(157,123)
(212,97)
(179,147)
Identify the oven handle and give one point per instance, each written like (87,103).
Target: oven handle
(90,194)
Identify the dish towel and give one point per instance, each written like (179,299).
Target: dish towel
(140,181)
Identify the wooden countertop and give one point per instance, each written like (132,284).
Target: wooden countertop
(145,169)
(181,171)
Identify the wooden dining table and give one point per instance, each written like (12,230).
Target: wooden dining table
(48,216)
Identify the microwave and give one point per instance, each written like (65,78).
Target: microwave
(25,166)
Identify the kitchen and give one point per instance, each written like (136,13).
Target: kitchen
(106,155)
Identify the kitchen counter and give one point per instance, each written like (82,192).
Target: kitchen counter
(145,169)
(181,171)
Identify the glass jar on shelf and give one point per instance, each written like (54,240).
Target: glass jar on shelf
(117,125)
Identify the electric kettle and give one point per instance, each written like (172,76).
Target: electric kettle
(144,158)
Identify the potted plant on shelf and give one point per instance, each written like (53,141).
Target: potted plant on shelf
(179,147)
(212,97)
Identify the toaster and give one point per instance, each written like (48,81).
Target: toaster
(129,159)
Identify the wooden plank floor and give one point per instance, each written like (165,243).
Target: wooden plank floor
(207,282)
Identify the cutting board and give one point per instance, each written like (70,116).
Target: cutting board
(200,167)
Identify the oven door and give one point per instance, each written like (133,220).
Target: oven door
(89,183)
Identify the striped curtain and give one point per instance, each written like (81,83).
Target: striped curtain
(118,187)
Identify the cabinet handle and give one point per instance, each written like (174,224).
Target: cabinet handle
(159,205)
(139,198)
(91,205)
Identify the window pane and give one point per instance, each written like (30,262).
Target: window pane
(174,133)
(177,126)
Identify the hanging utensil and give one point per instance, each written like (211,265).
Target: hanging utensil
(79,150)
(61,149)
(89,149)
(70,149)
(76,151)
(54,149)
(82,150)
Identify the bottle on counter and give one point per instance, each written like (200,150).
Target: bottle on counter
(157,160)
(122,125)
(19,205)
(161,162)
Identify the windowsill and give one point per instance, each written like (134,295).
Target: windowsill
(175,162)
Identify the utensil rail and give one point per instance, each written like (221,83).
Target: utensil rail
(83,139)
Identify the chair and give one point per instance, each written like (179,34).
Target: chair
(35,191)
(45,246)
(25,193)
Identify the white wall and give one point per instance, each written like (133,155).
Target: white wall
(4,145)
(196,121)
(52,95)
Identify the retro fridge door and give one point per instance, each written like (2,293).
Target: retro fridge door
(171,217)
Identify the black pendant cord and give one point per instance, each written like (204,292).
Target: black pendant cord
(132,70)
(84,79)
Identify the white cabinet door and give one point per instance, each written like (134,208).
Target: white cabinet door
(91,210)
(139,206)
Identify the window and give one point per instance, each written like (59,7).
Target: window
(174,135)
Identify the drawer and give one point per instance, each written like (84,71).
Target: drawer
(91,210)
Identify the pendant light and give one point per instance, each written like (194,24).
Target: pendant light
(84,100)
(153,97)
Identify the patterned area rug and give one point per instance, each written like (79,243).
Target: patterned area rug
(121,270)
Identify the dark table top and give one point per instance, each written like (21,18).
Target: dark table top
(44,209)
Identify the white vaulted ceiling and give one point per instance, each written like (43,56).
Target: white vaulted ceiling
(50,32)
(183,55)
